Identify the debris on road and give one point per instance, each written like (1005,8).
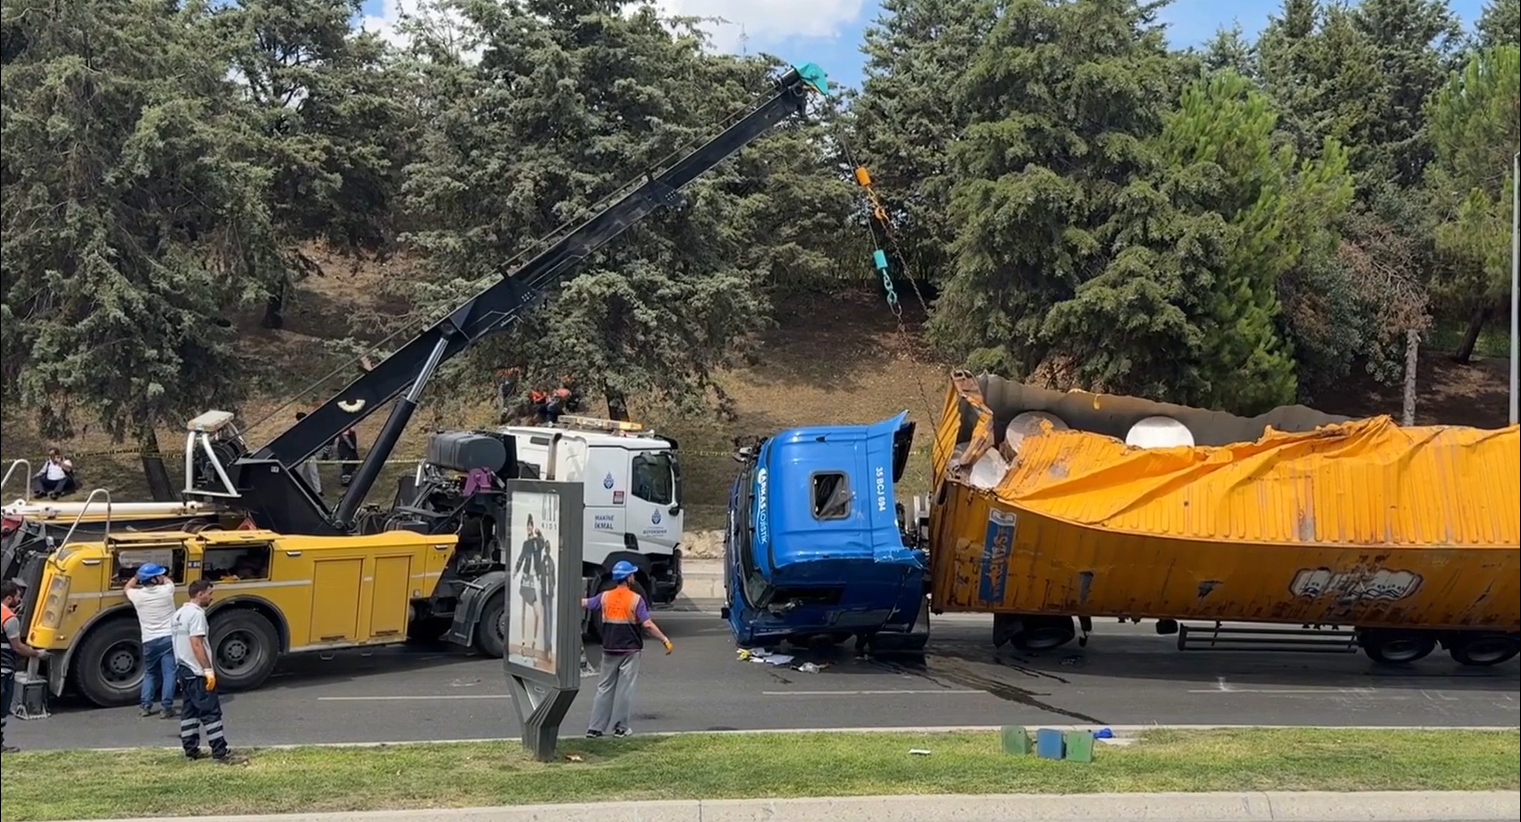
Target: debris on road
(761,656)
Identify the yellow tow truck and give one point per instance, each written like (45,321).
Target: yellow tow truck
(274,595)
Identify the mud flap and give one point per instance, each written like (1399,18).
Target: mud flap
(912,641)
(472,600)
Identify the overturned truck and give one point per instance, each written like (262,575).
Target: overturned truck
(1050,509)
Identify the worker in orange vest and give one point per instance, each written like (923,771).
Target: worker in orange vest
(14,648)
(625,618)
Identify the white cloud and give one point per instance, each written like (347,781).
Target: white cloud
(753,24)
(759,23)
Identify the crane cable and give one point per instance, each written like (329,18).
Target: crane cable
(879,226)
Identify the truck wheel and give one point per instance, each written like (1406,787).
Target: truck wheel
(1396,647)
(491,631)
(591,622)
(244,648)
(591,627)
(428,629)
(108,667)
(1482,650)
(1043,633)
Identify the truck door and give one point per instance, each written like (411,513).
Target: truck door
(390,596)
(335,600)
(606,493)
(653,514)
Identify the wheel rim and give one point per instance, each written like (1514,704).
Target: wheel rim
(501,626)
(1488,651)
(121,665)
(238,652)
(1404,650)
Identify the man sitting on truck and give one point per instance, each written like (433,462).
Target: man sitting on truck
(625,618)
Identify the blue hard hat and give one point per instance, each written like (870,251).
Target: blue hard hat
(623,570)
(149,571)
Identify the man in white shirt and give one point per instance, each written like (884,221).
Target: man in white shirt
(56,478)
(202,708)
(151,592)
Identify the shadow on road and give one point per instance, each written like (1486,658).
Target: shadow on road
(956,660)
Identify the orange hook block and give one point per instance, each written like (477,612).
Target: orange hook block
(863,177)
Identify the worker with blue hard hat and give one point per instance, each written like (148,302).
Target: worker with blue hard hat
(151,593)
(625,619)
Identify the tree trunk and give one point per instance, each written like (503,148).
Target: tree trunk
(274,308)
(617,404)
(1412,358)
(160,486)
(1471,336)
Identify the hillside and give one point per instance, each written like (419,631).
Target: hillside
(830,360)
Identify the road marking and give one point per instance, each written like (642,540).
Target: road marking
(1320,691)
(410,698)
(1222,687)
(870,693)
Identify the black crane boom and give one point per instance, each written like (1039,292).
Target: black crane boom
(277,504)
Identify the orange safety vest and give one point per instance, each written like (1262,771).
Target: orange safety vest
(621,632)
(7,656)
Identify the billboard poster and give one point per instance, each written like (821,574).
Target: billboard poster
(535,532)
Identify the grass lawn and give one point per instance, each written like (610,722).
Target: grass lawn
(85,785)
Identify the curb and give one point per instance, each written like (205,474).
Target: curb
(1120,731)
(1389,806)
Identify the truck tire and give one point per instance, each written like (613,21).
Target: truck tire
(244,648)
(1484,649)
(428,629)
(491,631)
(1396,647)
(591,627)
(1044,633)
(591,620)
(108,667)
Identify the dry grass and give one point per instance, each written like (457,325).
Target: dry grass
(831,360)
(92,785)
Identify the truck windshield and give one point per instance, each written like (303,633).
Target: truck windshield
(653,477)
(755,590)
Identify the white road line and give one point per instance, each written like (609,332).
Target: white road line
(869,693)
(1271,691)
(426,698)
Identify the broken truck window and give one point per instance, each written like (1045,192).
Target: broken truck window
(831,496)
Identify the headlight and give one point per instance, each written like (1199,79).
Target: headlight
(53,604)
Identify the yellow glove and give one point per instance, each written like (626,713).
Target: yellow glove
(668,647)
(211,681)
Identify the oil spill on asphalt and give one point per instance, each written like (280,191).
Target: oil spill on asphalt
(952,671)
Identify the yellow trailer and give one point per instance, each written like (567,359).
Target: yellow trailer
(1406,536)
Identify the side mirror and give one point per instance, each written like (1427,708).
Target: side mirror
(674,509)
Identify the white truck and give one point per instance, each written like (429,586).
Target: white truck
(631,480)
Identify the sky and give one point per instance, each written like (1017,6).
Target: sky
(829,32)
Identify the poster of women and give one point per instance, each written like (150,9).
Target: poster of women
(535,536)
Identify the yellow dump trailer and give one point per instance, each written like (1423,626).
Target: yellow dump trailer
(1408,537)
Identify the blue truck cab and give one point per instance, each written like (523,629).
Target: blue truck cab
(818,548)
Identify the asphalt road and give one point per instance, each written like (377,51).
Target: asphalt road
(1126,676)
